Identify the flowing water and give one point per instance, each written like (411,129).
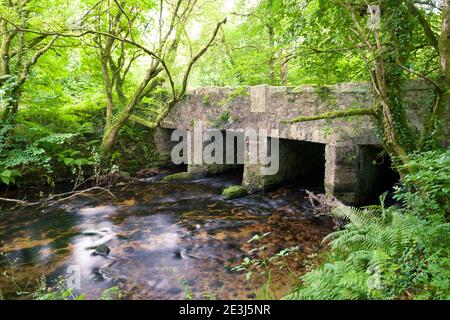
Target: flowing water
(167,240)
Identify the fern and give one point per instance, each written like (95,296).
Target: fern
(368,257)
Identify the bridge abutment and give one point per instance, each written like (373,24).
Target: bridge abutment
(163,144)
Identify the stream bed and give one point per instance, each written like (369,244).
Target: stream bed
(171,240)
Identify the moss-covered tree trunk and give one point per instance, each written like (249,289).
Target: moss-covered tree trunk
(442,112)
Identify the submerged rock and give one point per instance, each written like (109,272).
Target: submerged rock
(148,173)
(98,274)
(174,290)
(101,250)
(177,255)
(234,192)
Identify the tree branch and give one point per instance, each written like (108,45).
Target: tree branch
(333,115)
(429,33)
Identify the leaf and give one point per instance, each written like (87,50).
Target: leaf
(254,238)
(68,161)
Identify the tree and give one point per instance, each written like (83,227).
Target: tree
(387,50)
(21,50)
(117,31)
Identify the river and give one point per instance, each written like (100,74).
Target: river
(171,240)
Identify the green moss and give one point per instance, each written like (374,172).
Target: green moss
(327,130)
(221,120)
(233,192)
(206,100)
(224,117)
(182,176)
(240,91)
(222,103)
(323,92)
(237,92)
(333,115)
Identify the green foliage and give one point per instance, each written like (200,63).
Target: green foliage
(206,100)
(427,186)
(223,119)
(113,293)
(258,263)
(9,176)
(390,253)
(57,292)
(32,149)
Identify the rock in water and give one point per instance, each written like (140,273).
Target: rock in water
(234,192)
(98,274)
(101,250)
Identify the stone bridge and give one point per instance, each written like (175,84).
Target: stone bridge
(343,155)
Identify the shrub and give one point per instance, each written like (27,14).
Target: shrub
(395,252)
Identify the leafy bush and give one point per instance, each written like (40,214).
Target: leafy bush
(390,253)
(427,187)
(57,292)
(31,150)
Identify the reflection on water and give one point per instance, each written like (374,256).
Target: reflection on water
(165,238)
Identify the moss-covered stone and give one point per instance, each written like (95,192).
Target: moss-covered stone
(182,176)
(206,100)
(233,192)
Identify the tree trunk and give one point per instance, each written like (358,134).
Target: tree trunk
(272,55)
(108,90)
(13,105)
(284,69)
(442,111)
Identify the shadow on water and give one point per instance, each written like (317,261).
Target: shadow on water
(165,239)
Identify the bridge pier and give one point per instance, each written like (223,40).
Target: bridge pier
(341,172)
(199,167)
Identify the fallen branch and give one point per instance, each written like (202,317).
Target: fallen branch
(20,202)
(323,204)
(78,193)
(66,196)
